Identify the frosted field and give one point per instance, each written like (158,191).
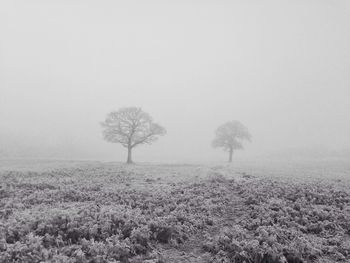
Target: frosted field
(60,211)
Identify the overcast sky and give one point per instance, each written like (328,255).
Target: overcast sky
(282,68)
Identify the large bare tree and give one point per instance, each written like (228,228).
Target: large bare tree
(229,136)
(131,127)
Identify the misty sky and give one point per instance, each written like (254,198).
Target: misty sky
(282,68)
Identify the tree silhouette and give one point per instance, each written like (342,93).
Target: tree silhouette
(131,127)
(229,136)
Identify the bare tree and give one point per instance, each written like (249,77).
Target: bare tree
(229,136)
(131,127)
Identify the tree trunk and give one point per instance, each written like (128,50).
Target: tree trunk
(129,160)
(230,155)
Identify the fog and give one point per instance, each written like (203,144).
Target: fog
(279,67)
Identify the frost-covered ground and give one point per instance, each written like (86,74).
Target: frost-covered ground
(55,211)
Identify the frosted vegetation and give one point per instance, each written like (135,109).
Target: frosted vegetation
(104,212)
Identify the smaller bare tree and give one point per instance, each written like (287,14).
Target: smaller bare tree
(131,127)
(229,136)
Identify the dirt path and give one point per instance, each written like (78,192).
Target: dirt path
(192,250)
